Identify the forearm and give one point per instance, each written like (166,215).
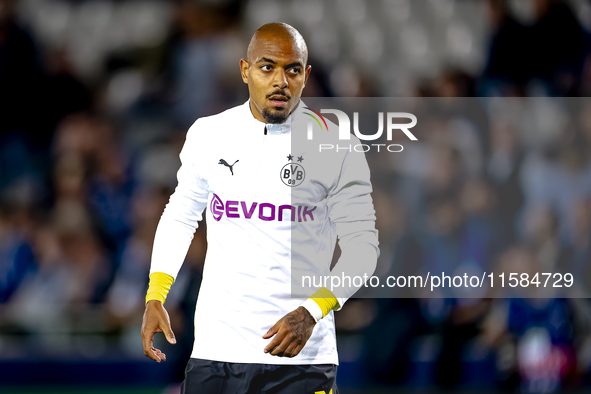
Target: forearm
(359,254)
(358,260)
(171,244)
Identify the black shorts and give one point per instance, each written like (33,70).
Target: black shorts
(214,377)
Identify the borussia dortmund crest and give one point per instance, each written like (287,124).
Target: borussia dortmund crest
(293,173)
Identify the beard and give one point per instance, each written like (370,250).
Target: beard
(275,117)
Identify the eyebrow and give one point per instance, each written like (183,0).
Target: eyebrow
(267,60)
(294,65)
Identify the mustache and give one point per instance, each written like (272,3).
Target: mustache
(278,93)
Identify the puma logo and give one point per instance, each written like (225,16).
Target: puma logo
(224,162)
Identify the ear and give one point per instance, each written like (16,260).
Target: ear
(307,74)
(244,66)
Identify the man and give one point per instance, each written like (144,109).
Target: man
(251,335)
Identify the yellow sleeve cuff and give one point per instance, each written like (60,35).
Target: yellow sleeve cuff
(325,300)
(159,286)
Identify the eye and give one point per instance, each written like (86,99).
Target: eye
(266,67)
(295,70)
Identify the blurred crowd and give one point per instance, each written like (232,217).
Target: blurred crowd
(499,179)
(479,193)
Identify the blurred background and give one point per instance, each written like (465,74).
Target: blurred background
(95,100)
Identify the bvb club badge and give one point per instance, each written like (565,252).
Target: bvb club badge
(293,173)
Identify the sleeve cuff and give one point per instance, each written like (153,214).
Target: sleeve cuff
(313,308)
(159,286)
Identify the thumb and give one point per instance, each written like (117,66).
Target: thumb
(169,335)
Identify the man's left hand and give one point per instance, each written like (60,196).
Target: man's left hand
(291,332)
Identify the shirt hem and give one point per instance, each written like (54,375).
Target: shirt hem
(273,361)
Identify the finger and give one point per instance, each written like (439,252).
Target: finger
(156,356)
(148,343)
(275,342)
(159,354)
(273,330)
(290,349)
(151,353)
(147,339)
(280,349)
(297,350)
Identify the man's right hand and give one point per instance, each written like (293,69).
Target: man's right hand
(155,320)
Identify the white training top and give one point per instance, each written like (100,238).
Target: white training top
(272,209)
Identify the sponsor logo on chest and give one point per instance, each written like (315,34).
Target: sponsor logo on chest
(263,211)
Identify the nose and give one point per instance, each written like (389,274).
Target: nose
(280,79)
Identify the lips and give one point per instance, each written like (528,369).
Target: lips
(279,100)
